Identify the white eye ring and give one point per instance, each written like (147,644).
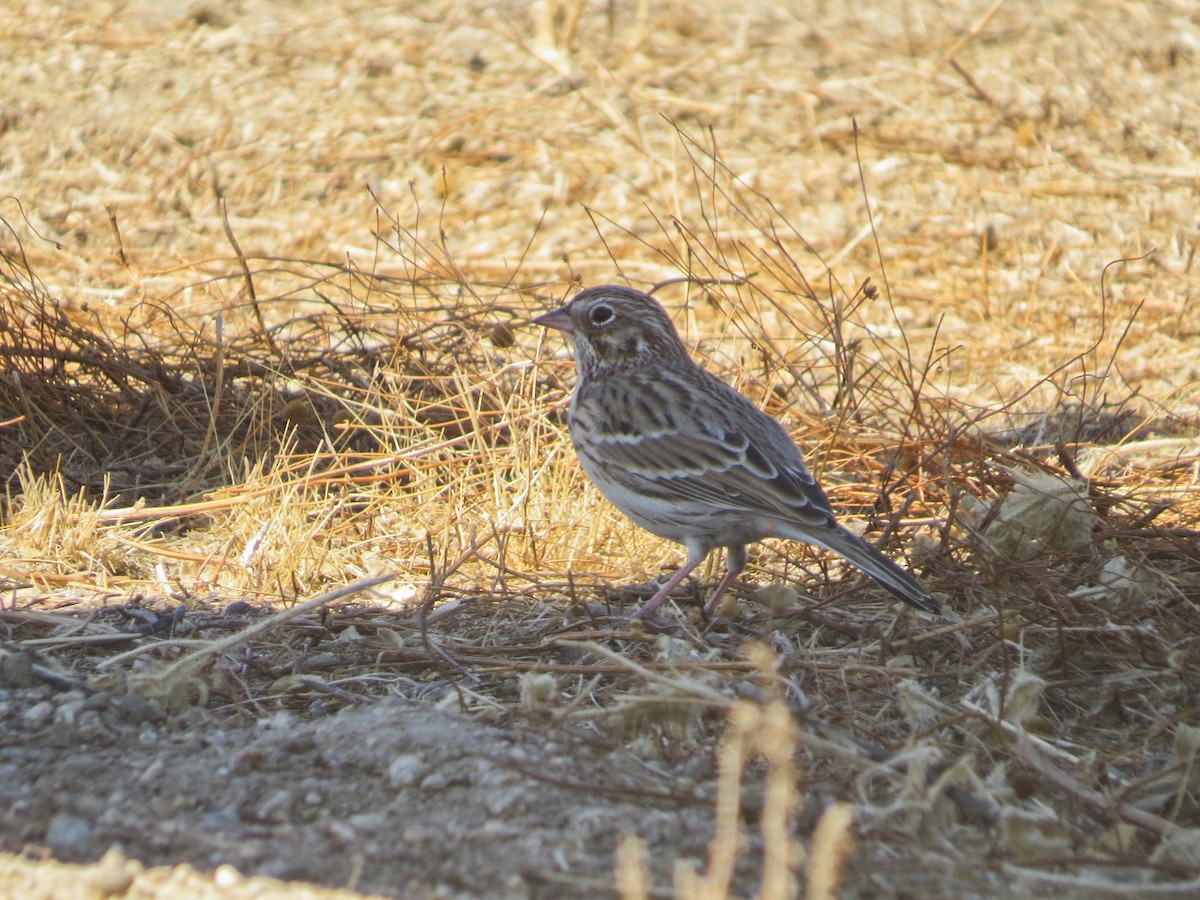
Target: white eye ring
(601,315)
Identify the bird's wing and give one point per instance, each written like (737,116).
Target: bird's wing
(699,440)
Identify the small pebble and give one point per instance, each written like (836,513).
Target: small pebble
(221,819)
(69,836)
(406,770)
(39,713)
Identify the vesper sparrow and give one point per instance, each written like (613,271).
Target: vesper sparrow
(686,456)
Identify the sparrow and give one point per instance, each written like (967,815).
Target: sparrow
(686,456)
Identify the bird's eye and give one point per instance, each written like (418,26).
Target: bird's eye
(601,315)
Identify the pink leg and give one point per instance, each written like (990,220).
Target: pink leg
(722,587)
(663,592)
(735,563)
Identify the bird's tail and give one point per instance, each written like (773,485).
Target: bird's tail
(859,553)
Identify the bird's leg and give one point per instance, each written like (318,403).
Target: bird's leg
(722,587)
(695,557)
(735,563)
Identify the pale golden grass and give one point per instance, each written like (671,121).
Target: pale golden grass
(763,731)
(282,346)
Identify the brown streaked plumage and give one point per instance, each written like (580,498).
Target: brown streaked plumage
(686,456)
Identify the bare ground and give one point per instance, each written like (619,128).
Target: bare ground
(392,797)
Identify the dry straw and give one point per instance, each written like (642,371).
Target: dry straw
(270,379)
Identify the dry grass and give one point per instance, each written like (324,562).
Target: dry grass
(263,331)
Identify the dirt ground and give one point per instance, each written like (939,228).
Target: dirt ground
(265,267)
(391,797)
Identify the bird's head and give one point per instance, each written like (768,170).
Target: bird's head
(614,327)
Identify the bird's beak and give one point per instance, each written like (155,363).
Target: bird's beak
(557,319)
